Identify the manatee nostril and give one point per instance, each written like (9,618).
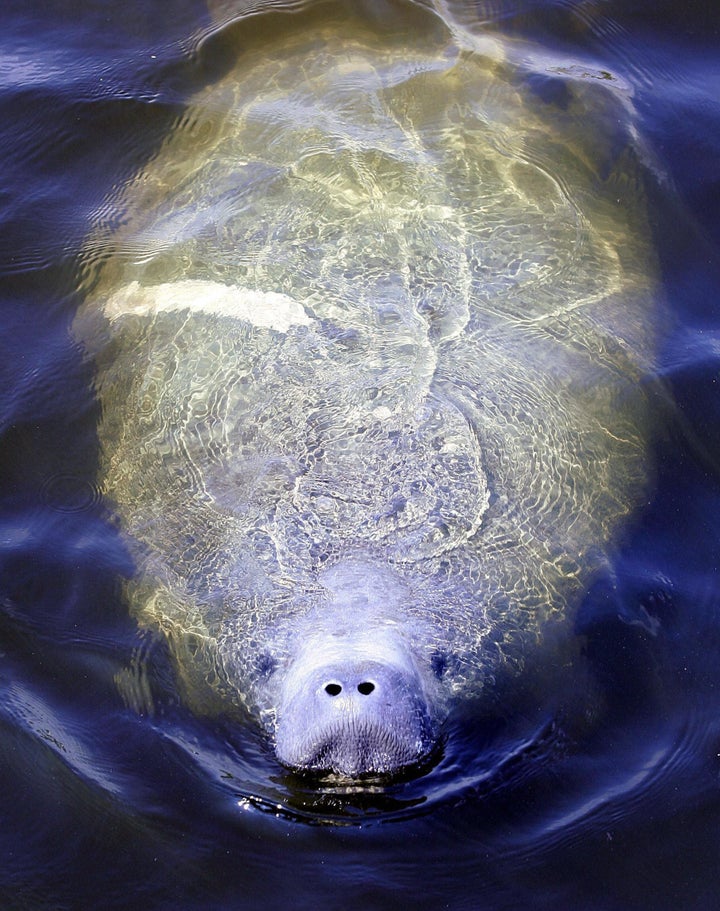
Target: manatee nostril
(366,688)
(333,689)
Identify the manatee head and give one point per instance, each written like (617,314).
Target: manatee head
(354,707)
(355,699)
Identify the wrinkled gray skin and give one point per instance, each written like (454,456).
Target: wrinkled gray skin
(354,699)
(368,341)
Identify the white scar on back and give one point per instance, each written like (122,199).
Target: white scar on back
(264,309)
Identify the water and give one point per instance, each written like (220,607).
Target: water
(115,794)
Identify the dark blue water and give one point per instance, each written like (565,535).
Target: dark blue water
(106,806)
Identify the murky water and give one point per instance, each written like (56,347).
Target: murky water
(549,156)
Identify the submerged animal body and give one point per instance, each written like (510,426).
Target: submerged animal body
(368,349)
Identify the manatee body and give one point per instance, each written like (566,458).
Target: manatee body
(368,340)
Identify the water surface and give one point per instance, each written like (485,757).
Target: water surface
(108,803)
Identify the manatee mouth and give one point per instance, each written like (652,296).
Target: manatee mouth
(354,719)
(359,749)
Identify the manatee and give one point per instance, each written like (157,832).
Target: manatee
(369,333)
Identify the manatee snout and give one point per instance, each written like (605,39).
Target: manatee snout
(353,715)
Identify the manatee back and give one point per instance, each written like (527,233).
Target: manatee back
(371,298)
